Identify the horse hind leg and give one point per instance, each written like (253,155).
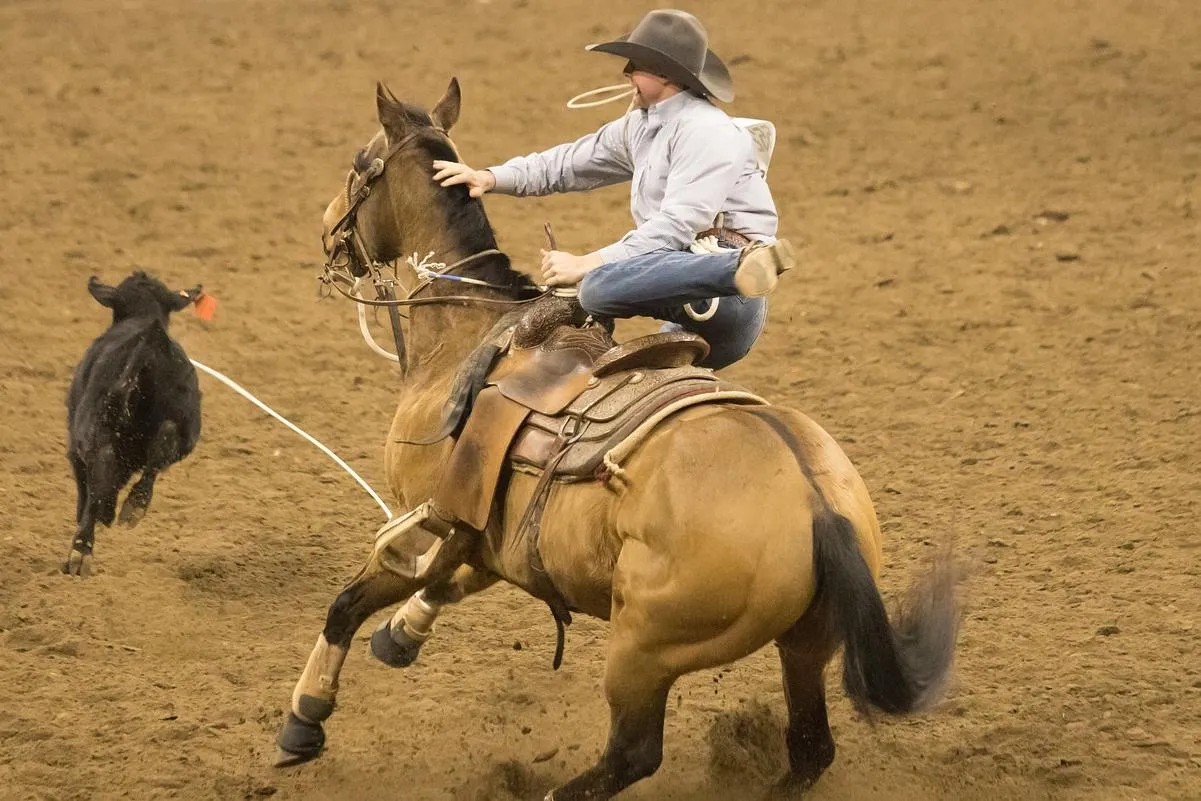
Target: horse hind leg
(804,651)
(163,452)
(637,683)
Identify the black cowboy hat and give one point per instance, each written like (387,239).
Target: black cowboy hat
(675,45)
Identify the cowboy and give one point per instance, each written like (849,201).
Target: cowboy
(689,166)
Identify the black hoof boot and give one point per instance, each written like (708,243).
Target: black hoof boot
(299,742)
(397,650)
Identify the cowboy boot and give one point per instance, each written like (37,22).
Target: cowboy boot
(760,267)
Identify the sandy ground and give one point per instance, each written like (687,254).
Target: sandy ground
(999,315)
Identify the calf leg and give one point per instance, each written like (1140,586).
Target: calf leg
(79,557)
(104,475)
(81,486)
(163,452)
(133,509)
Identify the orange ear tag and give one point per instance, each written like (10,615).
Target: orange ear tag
(204,306)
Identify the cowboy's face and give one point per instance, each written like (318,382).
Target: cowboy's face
(649,87)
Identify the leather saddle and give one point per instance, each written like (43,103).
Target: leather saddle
(551,393)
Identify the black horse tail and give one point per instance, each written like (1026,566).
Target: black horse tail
(897,666)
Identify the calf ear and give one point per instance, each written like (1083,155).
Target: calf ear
(104,294)
(181,299)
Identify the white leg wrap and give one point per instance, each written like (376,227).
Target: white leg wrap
(320,677)
(416,617)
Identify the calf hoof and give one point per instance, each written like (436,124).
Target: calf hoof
(78,564)
(132,513)
(395,649)
(299,742)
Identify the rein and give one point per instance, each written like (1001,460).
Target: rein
(334,278)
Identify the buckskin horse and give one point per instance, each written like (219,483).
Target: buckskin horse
(690,573)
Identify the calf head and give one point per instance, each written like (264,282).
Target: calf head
(141,295)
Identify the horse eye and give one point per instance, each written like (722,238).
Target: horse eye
(360,160)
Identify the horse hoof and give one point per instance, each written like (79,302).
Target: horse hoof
(397,650)
(790,785)
(299,742)
(78,564)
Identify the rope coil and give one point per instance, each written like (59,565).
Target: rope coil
(620,91)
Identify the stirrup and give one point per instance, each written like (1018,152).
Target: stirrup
(395,550)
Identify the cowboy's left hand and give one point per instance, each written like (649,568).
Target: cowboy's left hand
(560,268)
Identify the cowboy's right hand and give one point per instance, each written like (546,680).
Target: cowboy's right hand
(452,173)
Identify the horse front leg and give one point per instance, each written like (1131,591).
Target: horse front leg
(410,553)
(397,642)
(315,694)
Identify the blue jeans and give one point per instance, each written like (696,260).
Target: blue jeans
(658,285)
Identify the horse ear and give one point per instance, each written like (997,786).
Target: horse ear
(391,113)
(446,113)
(104,294)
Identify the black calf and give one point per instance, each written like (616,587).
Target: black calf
(134,405)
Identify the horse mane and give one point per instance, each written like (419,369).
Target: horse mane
(467,219)
(465,216)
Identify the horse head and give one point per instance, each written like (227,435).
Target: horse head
(390,201)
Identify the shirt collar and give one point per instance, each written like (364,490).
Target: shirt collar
(668,110)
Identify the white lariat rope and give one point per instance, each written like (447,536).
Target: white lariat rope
(234,386)
(704,245)
(424,267)
(426,271)
(365,331)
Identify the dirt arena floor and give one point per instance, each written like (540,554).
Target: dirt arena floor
(999,316)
